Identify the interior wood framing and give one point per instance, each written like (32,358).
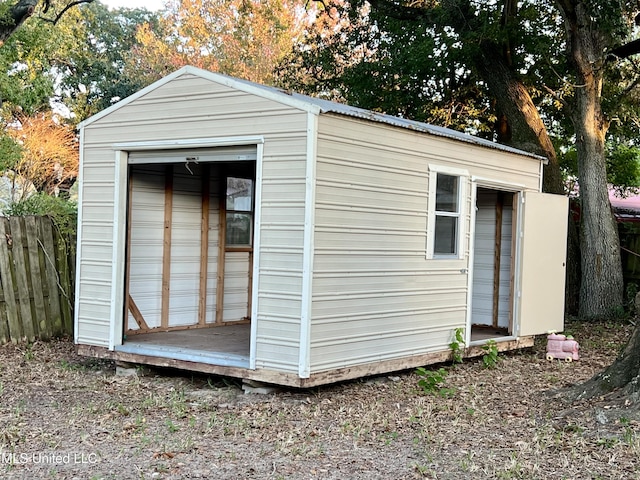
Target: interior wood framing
(500,204)
(177,328)
(223,248)
(132,308)
(166,246)
(502,199)
(222,244)
(137,315)
(204,244)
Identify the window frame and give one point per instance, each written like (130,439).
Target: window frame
(462,177)
(250,213)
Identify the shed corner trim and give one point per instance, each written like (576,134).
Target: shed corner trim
(304,360)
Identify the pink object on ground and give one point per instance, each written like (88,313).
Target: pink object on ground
(559,346)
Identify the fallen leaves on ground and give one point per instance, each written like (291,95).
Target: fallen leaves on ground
(64,416)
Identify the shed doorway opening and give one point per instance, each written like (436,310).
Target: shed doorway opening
(189,258)
(493,265)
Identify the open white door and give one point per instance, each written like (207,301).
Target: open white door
(542,263)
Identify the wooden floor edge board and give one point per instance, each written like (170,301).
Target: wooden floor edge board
(277,378)
(292,379)
(405,363)
(506,346)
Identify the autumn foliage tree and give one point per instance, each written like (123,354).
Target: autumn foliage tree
(49,153)
(241,38)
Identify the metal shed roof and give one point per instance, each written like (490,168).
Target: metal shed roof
(315,105)
(327,106)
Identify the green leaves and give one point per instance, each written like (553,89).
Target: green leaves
(423,66)
(61,210)
(490,357)
(457,345)
(432,381)
(10,152)
(92,52)
(25,82)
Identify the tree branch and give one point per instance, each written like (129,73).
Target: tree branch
(399,11)
(57,18)
(626,50)
(558,97)
(23,9)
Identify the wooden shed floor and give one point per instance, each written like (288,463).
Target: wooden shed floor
(487,333)
(228,345)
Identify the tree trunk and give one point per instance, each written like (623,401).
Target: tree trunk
(528,132)
(602,286)
(601,292)
(622,377)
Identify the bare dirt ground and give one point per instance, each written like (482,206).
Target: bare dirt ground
(66,417)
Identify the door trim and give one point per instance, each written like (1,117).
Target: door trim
(516,190)
(121,153)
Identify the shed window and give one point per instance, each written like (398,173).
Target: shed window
(239,212)
(447,214)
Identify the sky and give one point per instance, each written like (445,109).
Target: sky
(148,4)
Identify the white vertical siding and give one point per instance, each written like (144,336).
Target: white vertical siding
(146,243)
(185,246)
(375,294)
(279,293)
(79,253)
(236,286)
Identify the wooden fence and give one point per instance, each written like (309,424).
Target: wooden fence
(37,266)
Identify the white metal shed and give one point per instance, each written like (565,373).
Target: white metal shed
(236,229)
